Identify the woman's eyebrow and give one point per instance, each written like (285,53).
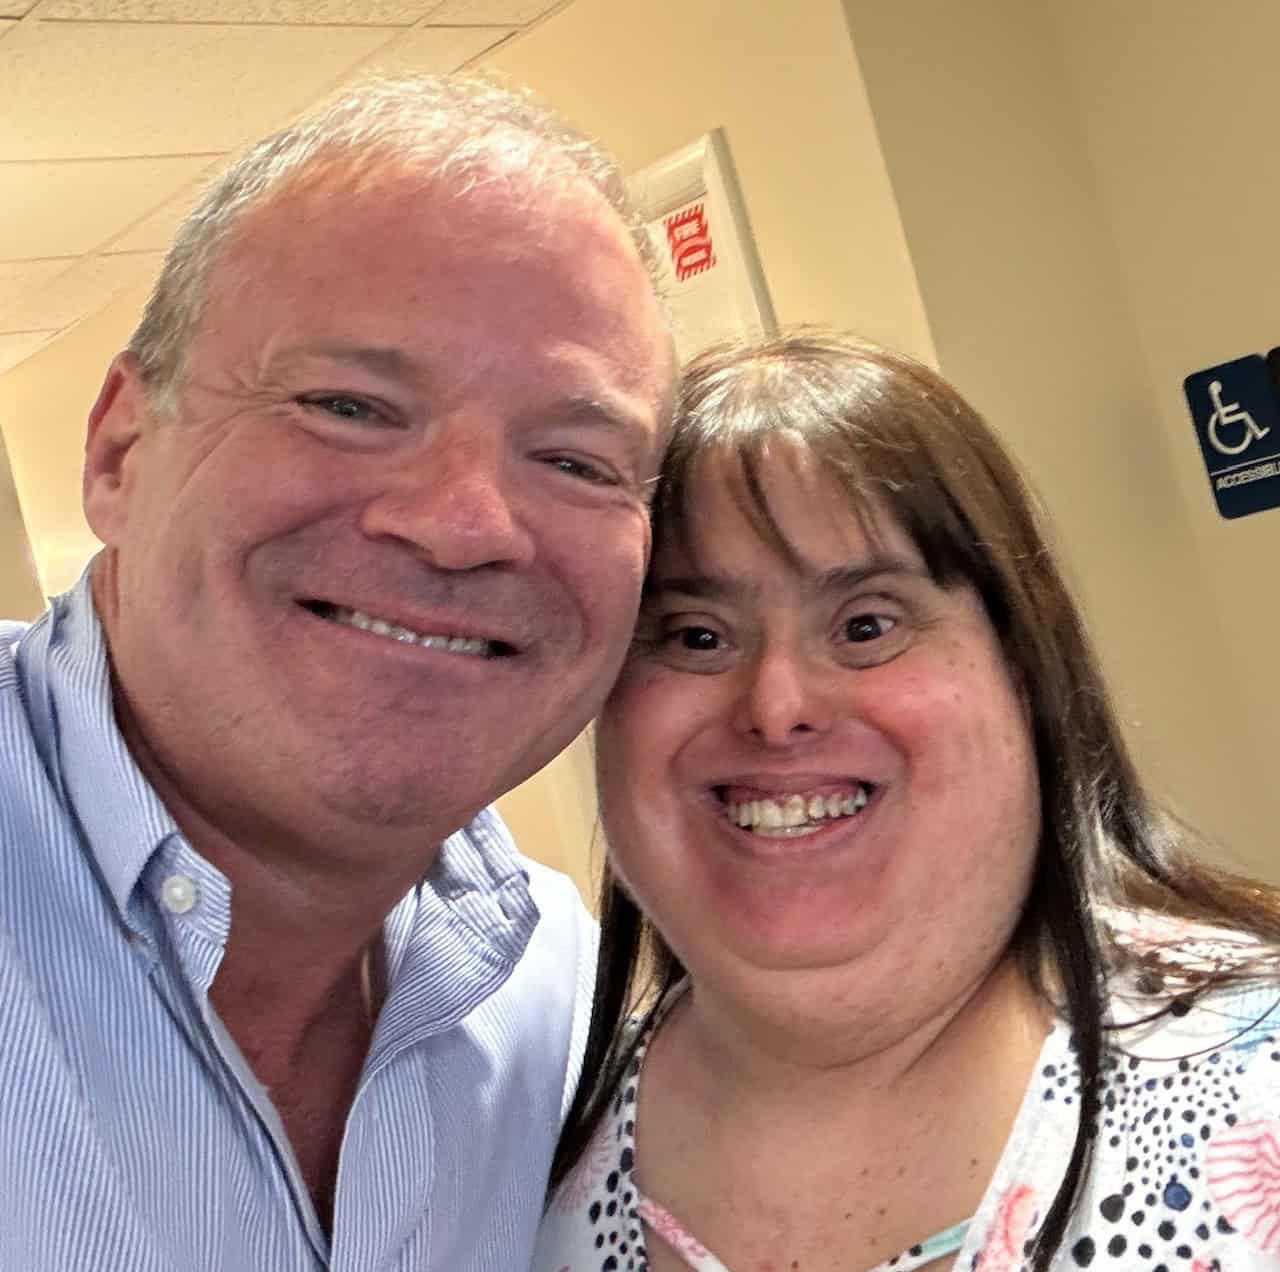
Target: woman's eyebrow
(843,577)
(704,587)
(716,586)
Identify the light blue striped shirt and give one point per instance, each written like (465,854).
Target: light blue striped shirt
(132,1134)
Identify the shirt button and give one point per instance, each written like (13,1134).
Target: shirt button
(178,893)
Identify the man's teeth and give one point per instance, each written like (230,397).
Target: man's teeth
(795,813)
(380,627)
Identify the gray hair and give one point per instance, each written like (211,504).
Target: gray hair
(445,126)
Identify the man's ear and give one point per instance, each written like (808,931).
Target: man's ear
(116,421)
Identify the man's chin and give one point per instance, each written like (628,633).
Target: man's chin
(416,806)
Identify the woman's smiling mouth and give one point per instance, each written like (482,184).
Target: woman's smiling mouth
(799,813)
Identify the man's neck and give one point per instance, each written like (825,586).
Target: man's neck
(307,1046)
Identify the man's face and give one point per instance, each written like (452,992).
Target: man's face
(386,561)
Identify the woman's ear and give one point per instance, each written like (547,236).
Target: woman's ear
(117,420)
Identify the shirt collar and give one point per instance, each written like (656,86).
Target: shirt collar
(479,876)
(63,662)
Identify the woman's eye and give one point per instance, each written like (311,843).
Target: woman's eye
(684,640)
(696,639)
(687,645)
(864,627)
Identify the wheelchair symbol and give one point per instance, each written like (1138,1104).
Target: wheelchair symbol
(1227,415)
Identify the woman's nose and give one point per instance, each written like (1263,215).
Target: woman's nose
(785,699)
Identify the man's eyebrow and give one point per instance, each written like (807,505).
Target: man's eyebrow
(384,359)
(608,411)
(712,586)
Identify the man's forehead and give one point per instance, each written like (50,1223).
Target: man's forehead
(364,258)
(345,244)
(459,199)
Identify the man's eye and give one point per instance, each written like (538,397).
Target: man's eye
(583,469)
(864,627)
(339,405)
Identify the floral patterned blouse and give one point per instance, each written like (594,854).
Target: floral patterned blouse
(1185,1176)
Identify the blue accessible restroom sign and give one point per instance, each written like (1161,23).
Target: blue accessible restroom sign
(1236,409)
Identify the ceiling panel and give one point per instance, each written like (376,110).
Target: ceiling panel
(23,278)
(91,283)
(104,90)
(270,12)
(495,12)
(155,232)
(18,345)
(436,49)
(65,209)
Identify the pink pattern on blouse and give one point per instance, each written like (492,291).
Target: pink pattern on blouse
(664,1224)
(1010,1228)
(1243,1168)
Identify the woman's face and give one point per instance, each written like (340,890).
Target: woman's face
(823,767)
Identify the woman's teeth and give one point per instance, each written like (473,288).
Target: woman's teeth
(795,814)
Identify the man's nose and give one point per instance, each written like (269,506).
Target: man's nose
(785,699)
(454,499)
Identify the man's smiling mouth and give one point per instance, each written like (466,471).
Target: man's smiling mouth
(469,646)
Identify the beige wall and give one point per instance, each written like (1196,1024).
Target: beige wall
(44,404)
(783,82)
(20,595)
(553,815)
(1180,103)
(1031,313)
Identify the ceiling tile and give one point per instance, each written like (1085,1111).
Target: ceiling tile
(15,8)
(436,49)
(24,278)
(269,12)
(86,287)
(21,344)
(64,209)
(155,232)
(105,90)
(496,12)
